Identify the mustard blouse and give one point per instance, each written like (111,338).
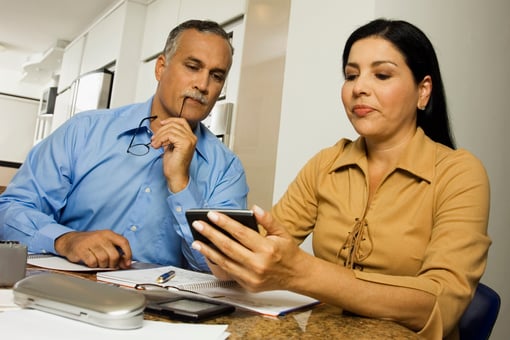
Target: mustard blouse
(426,227)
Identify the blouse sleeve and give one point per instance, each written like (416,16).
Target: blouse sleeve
(297,208)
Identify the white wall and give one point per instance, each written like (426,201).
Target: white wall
(17,119)
(260,93)
(17,129)
(10,83)
(472,40)
(312,114)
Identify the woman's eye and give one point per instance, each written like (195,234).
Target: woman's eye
(382,76)
(350,76)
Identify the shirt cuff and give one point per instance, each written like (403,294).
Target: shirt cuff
(44,240)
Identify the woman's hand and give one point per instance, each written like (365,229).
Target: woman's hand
(257,262)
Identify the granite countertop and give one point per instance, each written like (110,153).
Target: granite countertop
(319,322)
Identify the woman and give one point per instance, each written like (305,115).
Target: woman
(399,218)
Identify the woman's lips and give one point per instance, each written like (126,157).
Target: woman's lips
(362,110)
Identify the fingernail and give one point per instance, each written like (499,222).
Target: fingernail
(258,210)
(195,245)
(198,226)
(214,217)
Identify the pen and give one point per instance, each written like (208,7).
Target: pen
(165,277)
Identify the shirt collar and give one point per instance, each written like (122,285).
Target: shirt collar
(127,121)
(418,158)
(203,141)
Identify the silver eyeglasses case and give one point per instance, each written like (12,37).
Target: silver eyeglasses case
(81,299)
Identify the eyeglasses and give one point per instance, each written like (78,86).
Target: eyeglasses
(140,149)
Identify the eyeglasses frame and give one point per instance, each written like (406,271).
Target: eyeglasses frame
(131,145)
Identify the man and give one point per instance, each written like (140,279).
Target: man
(109,186)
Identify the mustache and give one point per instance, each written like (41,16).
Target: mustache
(199,97)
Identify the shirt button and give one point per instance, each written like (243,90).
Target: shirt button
(147,190)
(133,228)
(178,208)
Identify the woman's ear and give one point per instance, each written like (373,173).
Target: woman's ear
(424,92)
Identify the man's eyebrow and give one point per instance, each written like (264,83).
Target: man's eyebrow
(201,63)
(195,60)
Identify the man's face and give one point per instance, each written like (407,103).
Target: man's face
(191,80)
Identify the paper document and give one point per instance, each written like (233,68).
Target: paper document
(34,324)
(7,300)
(51,261)
(274,303)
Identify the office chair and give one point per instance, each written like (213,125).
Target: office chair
(480,316)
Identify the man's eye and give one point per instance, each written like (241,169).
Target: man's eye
(218,77)
(192,67)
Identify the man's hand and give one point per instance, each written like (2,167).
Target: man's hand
(179,141)
(101,248)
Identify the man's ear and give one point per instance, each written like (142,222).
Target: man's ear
(160,67)
(424,92)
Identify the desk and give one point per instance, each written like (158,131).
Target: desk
(319,322)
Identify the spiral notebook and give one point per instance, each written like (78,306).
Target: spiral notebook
(273,303)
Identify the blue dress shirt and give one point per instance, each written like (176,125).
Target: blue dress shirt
(82,178)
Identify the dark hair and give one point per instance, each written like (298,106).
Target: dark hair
(421,58)
(199,25)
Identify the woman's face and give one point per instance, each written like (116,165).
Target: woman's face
(379,94)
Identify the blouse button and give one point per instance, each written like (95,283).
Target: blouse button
(178,208)
(133,228)
(147,190)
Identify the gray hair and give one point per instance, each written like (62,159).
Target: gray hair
(200,25)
